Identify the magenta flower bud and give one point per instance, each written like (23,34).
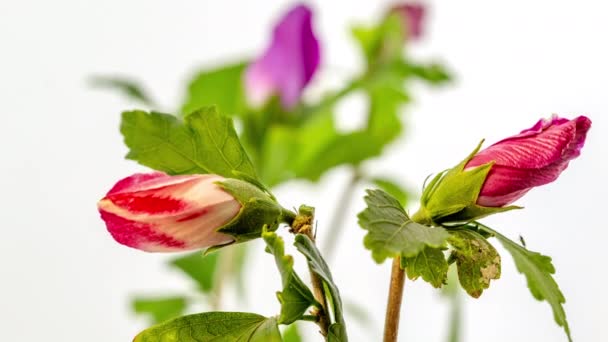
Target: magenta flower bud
(155,212)
(412,16)
(532,158)
(289,62)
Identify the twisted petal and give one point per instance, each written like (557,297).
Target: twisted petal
(289,62)
(534,157)
(155,212)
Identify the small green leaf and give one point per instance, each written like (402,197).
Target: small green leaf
(292,334)
(477,260)
(200,268)
(214,326)
(430,263)
(205,143)
(538,270)
(296,297)
(392,188)
(433,73)
(128,87)
(391,232)
(221,87)
(337,331)
(160,309)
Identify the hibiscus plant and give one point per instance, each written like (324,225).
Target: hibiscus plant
(211,190)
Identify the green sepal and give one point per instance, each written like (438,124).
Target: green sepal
(451,196)
(476,212)
(257,209)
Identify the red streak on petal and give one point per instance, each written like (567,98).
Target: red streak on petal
(195,214)
(137,234)
(132,181)
(149,203)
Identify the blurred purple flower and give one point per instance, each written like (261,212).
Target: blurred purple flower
(534,157)
(412,15)
(288,63)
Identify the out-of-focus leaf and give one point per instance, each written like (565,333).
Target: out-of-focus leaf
(538,270)
(214,326)
(392,188)
(391,232)
(381,43)
(200,268)
(205,142)
(296,297)
(279,150)
(129,88)
(477,260)
(292,334)
(337,330)
(358,312)
(159,309)
(239,262)
(432,73)
(221,87)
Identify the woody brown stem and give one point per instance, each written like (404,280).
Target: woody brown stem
(395,296)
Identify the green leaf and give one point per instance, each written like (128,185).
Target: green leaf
(292,334)
(477,260)
(159,309)
(221,87)
(538,270)
(392,188)
(433,73)
(127,87)
(199,267)
(391,232)
(337,333)
(318,265)
(214,326)
(430,263)
(296,297)
(205,143)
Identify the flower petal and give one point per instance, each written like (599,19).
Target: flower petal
(289,62)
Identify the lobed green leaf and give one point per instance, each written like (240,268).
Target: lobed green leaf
(538,270)
(205,142)
(296,297)
(430,264)
(214,326)
(477,260)
(391,232)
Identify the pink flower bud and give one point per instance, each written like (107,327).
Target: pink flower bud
(534,157)
(412,16)
(289,62)
(155,212)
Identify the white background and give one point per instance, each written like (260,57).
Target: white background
(62,277)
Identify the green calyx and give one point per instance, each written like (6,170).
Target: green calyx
(258,208)
(451,196)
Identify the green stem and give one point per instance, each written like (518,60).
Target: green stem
(455,317)
(336,223)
